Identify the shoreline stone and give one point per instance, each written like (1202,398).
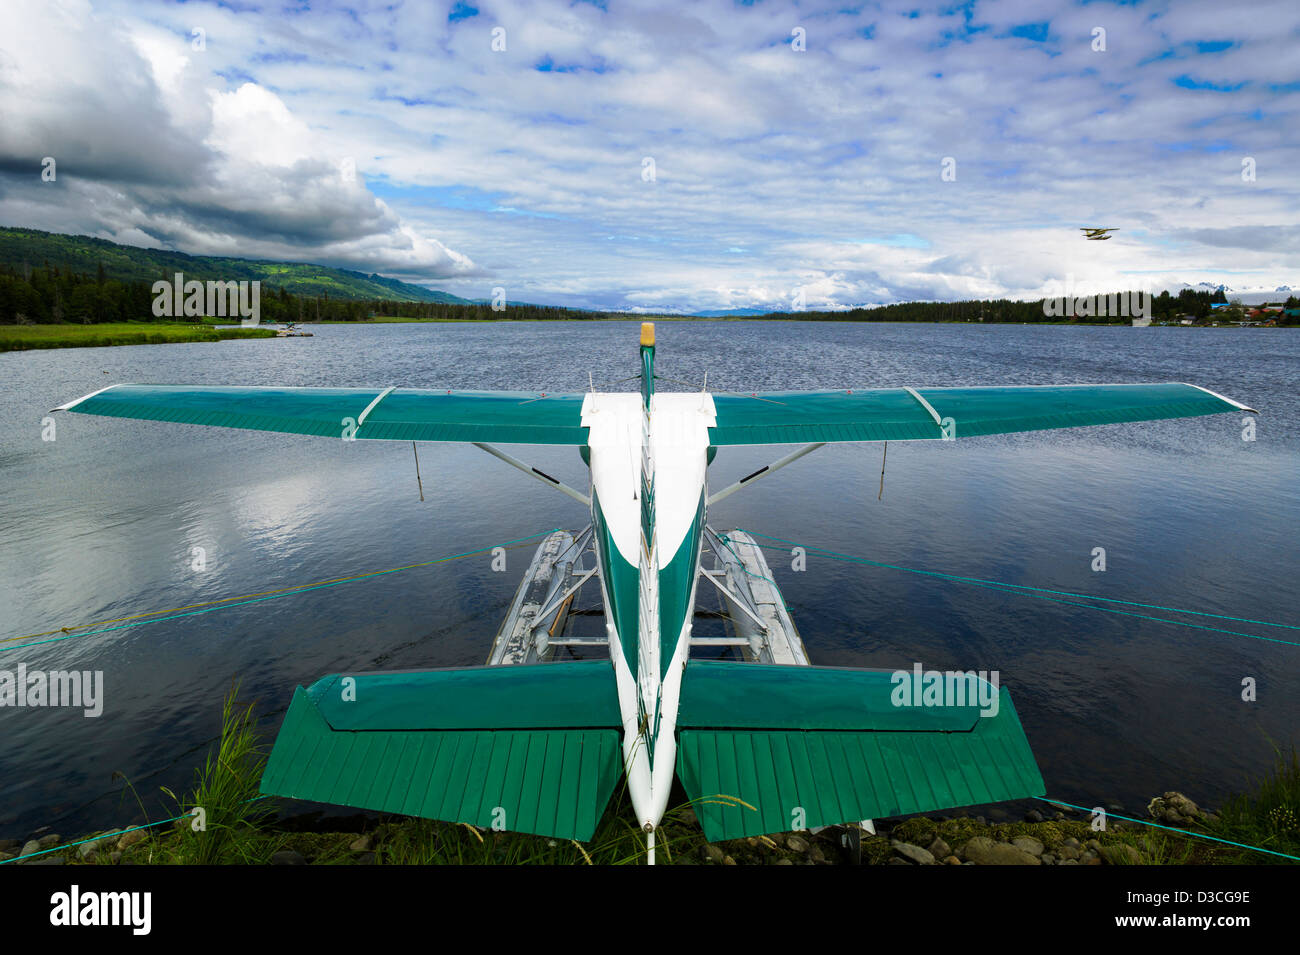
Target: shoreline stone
(1005,838)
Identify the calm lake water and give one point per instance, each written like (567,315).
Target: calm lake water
(100,523)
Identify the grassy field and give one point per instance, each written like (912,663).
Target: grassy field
(23,337)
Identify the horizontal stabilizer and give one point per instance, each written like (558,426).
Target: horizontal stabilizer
(524,748)
(798,747)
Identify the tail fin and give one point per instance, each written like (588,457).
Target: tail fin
(522,748)
(776,748)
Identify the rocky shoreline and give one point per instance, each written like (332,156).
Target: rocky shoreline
(1054,835)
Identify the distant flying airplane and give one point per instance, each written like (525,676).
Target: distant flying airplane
(1097,235)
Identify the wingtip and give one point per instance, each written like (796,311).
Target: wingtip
(1235,404)
(72,404)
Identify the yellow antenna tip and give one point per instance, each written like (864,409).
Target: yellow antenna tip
(647,334)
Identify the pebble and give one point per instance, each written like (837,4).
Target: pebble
(50,841)
(29,847)
(984,851)
(1174,809)
(1033,816)
(363,844)
(714,853)
(940,849)
(914,854)
(797,843)
(288,857)
(1028,844)
(131,838)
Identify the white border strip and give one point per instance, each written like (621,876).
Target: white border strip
(371,407)
(1235,404)
(72,404)
(926,405)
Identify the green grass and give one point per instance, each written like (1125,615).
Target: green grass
(24,337)
(225,803)
(1267,816)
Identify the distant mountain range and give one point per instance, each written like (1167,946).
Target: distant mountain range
(86,255)
(126,263)
(1250,295)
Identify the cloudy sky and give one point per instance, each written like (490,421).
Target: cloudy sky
(651,155)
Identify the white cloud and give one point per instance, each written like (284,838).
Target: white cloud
(801,159)
(154,150)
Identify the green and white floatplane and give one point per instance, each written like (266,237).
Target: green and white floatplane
(762,743)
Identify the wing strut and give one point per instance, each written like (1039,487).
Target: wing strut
(536,474)
(764,472)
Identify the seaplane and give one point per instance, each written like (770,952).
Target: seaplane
(537,738)
(1097,235)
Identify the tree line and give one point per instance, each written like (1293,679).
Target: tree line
(1164,307)
(50,295)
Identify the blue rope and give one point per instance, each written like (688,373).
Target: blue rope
(110,835)
(1181,832)
(1041,593)
(286,593)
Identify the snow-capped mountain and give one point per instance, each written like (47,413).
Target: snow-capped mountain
(1247,295)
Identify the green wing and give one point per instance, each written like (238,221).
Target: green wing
(508,417)
(395,414)
(903,414)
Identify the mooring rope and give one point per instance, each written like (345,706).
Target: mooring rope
(1054,596)
(113,835)
(136,620)
(1181,832)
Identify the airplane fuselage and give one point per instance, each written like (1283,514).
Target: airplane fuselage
(649,461)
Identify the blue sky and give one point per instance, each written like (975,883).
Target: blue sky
(658,156)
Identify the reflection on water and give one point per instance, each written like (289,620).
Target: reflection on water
(102,524)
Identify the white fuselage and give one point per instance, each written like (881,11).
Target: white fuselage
(665,448)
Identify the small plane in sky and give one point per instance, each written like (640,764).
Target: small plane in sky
(1097,235)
